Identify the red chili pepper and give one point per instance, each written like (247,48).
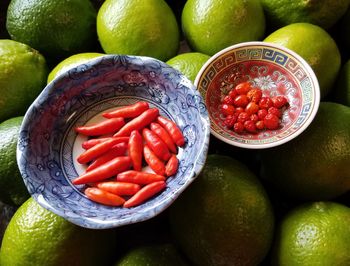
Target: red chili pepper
(119,188)
(173,130)
(129,111)
(164,135)
(97,150)
(138,123)
(105,127)
(145,193)
(153,161)
(92,142)
(135,147)
(171,166)
(137,177)
(103,197)
(107,170)
(156,144)
(116,151)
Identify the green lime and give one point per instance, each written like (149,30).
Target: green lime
(140,27)
(210,26)
(189,63)
(324,13)
(224,217)
(155,255)
(69,63)
(12,188)
(56,28)
(313,234)
(23,74)
(315,165)
(36,236)
(316,46)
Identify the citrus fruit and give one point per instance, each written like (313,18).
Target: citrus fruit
(69,63)
(313,234)
(155,255)
(315,165)
(316,46)
(139,27)
(224,217)
(55,28)
(12,188)
(210,26)
(341,91)
(188,63)
(22,77)
(324,13)
(36,236)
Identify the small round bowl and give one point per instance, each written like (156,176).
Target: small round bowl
(274,69)
(48,144)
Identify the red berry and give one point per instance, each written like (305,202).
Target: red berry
(279,101)
(265,103)
(273,110)
(227,109)
(232,93)
(249,125)
(254,117)
(241,100)
(252,108)
(230,120)
(228,100)
(238,127)
(239,110)
(242,117)
(262,113)
(260,125)
(243,88)
(254,95)
(271,121)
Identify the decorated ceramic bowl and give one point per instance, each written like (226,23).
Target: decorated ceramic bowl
(273,69)
(48,145)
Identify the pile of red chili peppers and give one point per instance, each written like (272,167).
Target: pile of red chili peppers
(137,134)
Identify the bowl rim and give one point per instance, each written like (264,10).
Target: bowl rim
(310,72)
(88,222)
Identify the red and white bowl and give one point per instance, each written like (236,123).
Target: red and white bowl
(274,69)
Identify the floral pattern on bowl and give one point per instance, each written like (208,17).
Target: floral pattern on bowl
(48,145)
(274,69)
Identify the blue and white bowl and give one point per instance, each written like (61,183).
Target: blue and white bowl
(48,145)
